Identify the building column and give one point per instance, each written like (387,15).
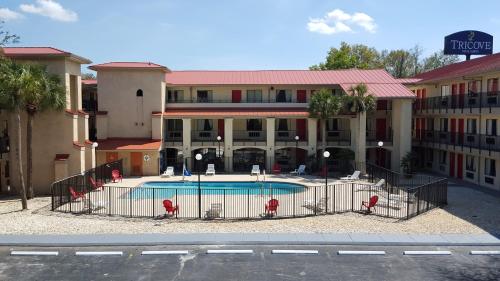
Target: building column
(228,144)
(312,136)
(358,140)
(270,147)
(186,142)
(401,126)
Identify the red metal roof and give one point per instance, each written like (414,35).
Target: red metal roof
(387,85)
(386,91)
(41,52)
(129,65)
(231,112)
(408,80)
(279,77)
(460,69)
(128,144)
(89,82)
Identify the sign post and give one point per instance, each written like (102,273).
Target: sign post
(468,42)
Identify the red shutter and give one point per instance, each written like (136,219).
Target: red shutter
(454,89)
(301,129)
(236,96)
(220,128)
(424,95)
(301,96)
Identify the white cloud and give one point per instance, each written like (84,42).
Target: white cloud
(6,15)
(51,9)
(338,21)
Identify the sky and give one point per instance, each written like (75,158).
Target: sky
(238,34)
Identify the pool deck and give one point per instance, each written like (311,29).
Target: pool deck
(303,180)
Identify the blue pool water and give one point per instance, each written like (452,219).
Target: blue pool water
(159,189)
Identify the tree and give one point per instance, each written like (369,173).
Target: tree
(11,83)
(438,59)
(7,37)
(399,63)
(359,102)
(41,91)
(350,56)
(88,76)
(323,105)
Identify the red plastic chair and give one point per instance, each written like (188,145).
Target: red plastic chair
(272,207)
(371,204)
(96,184)
(169,207)
(276,168)
(76,194)
(115,175)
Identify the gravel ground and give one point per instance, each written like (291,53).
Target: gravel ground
(469,211)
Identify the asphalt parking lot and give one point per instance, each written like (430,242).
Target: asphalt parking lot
(315,262)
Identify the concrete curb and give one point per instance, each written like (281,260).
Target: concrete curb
(252,239)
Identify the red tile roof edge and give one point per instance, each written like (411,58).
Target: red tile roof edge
(16,52)
(129,65)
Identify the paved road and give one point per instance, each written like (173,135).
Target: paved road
(260,265)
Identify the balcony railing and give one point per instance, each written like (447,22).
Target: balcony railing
(231,101)
(255,136)
(478,141)
(373,137)
(174,136)
(204,135)
(289,136)
(470,100)
(337,137)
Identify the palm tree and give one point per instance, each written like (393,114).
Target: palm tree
(11,84)
(359,102)
(41,91)
(323,105)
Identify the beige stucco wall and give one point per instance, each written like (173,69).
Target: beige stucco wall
(129,116)
(53,133)
(149,168)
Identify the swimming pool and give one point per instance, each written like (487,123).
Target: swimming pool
(158,189)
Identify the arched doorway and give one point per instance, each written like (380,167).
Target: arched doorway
(171,157)
(244,158)
(379,156)
(341,160)
(290,158)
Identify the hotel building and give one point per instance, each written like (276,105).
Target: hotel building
(61,145)
(455,120)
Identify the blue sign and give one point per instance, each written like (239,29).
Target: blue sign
(468,42)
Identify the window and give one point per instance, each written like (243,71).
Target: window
(443,124)
(470,163)
(139,93)
(204,96)
(283,96)
(282,125)
(254,96)
(442,157)
(493,85)
(489,168)
(445,90)
(175,95)
(471,126)
(205,125)
(174,124)
(474,87)
(491,127)
(254,125)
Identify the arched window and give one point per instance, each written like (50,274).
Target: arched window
(139,93)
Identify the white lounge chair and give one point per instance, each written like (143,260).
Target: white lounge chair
(375,187)
(353,177)
(300,171)
(379,184)
(96,205)
(210,170)
(215,211)
(255,170)
(169,172)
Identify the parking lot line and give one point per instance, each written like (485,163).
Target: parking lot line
(422,253)
(165,252)
(34,253)
(229,251)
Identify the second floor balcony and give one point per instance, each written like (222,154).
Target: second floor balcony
(469,140)
(460,101)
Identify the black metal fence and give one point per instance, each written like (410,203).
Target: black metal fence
(81,183)
(394,179)
(250,203)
